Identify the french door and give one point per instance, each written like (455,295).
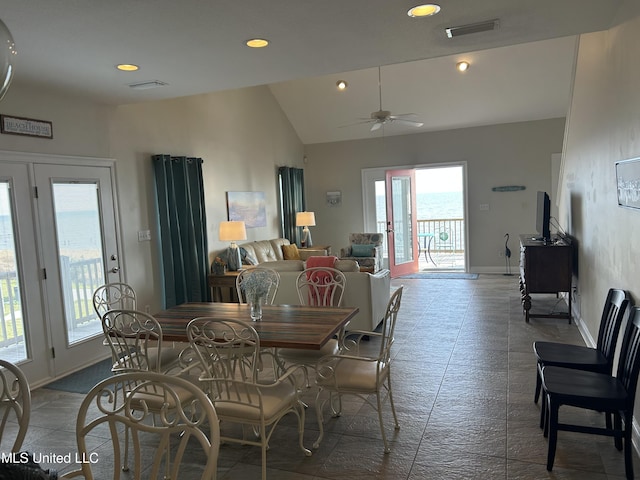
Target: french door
(401,221)
(58,231)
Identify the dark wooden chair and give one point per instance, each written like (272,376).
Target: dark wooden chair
(599,392)
(599,359)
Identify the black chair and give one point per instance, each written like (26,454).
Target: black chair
(598,392)
(599,359)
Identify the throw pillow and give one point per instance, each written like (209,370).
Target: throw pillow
(290,252)
(358,250)
(247,257)
(321,261)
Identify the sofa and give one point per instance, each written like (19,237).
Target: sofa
(368,291)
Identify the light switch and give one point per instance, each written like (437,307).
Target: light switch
(484,206)
(144,235)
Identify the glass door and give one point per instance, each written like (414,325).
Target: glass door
(401,222)
(23,337)
(78,228)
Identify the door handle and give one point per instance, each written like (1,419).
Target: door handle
(115,269)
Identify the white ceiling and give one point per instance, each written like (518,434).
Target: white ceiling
(520,71)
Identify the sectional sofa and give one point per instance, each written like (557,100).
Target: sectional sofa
(368,291)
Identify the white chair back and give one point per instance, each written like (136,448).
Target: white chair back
(164,437)
(15,403)
(321,286)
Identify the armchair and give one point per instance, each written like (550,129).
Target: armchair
(366,249)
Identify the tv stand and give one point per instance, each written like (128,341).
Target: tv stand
(545,267)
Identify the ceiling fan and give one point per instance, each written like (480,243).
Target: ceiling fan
(384,117)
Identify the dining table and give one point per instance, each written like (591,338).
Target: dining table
(281,326)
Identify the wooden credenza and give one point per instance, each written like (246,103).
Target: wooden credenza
(545,268)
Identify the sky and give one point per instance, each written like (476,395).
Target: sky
(445,179)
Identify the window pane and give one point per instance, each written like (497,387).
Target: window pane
(77,219)
(12,339)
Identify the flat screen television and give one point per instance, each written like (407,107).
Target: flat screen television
(543,217)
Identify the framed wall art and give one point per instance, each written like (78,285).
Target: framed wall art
(628,183)
(249,207)
(334,199)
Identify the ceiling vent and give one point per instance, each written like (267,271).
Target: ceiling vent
(147,85)
(472,28)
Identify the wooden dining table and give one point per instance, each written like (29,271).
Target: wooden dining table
(282,326)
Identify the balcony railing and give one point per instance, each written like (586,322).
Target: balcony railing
(448,234)
(79,280)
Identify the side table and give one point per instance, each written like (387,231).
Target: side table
(221,284)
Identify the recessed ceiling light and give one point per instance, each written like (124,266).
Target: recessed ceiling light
(342,84)
(127,67)
(257,43)
(462,66)
(426,10)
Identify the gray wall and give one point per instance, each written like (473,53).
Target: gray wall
(509,154)
(603,127)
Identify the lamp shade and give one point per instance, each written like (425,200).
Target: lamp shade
(305,219)
(232,231)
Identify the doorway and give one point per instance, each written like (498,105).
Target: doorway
(58,242)
(440,232)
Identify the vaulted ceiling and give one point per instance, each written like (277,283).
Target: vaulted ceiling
(520,71)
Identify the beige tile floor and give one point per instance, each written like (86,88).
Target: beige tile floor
(463,382)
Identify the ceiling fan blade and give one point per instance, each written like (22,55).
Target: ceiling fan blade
(376,126)
(355,123)
(404,121)
(399,116)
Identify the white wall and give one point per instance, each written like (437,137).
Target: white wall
(80,127)
(603,128)
(242,136)
(509,154)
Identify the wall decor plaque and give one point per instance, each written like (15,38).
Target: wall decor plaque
(25,126)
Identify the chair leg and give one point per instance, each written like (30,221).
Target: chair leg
(617,427)
(628,446)
(319,407)
(536,395)
(384,437)
(543,411)
(393,407)
(301,417)
(553,432)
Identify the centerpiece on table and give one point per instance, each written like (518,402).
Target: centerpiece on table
(255,287)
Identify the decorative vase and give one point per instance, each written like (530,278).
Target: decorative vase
(256,309)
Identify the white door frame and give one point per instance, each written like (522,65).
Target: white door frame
(44,369)
(371,175)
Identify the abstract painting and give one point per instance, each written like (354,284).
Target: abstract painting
(249,207)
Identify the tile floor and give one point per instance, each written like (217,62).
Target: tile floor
(463,382)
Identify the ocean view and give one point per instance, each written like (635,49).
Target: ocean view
(429,205)
(76,230)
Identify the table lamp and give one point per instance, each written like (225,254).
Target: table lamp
(231,232)
(305,220)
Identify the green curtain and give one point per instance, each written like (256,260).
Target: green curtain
(183,229)
(292,200)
